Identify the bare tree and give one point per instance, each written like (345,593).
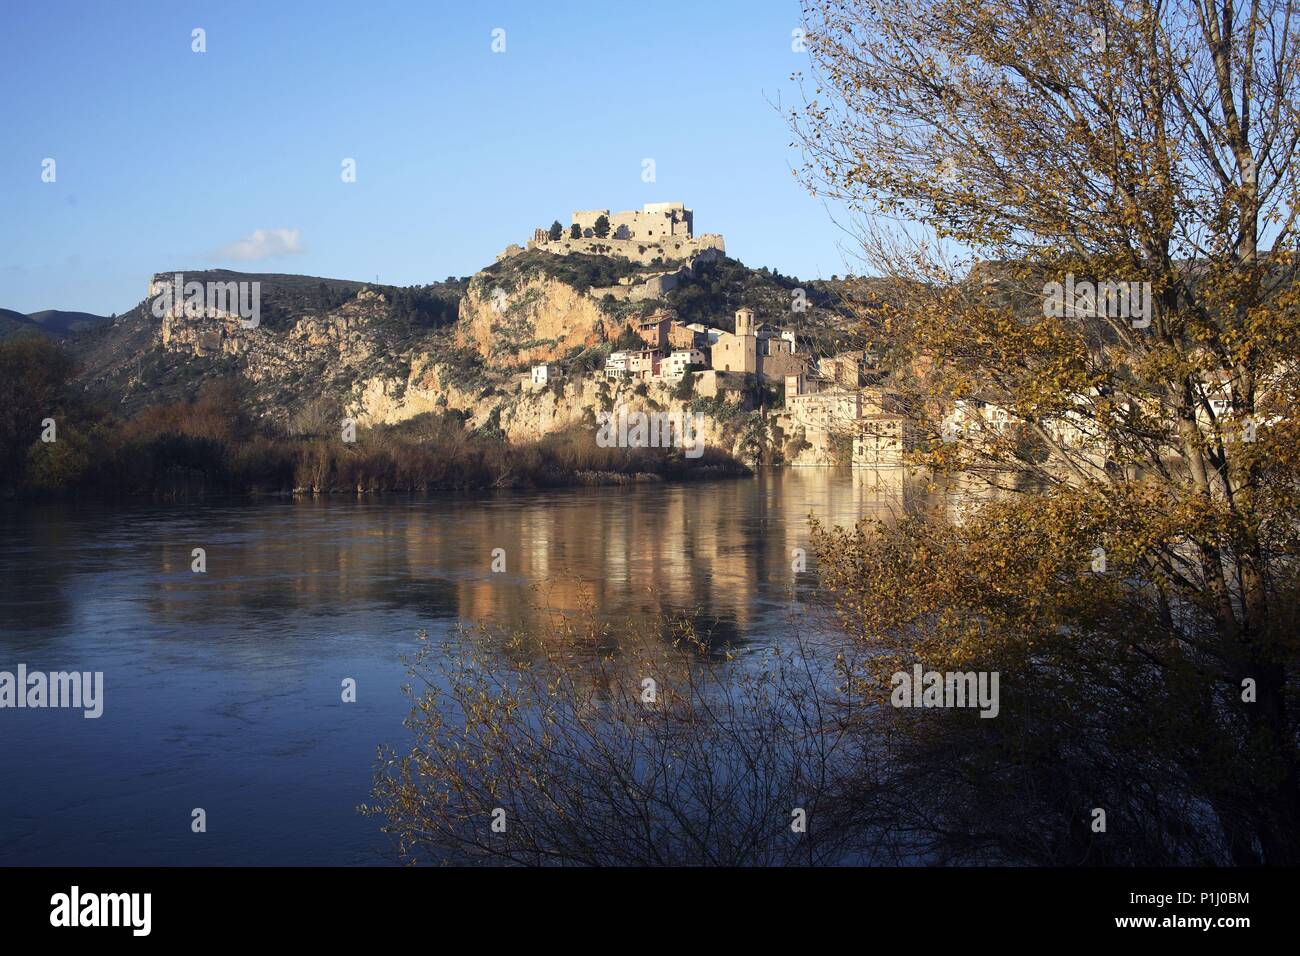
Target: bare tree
(562,749)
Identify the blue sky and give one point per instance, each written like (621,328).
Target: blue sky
(168,159)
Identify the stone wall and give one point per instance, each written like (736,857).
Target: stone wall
(653,221)
(642,252)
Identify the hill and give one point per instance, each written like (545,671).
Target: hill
(313,341)
(51,322)
(326,348)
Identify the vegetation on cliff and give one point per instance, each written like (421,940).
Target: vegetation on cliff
(578,270)
(211,445)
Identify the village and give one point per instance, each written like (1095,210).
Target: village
(826,402)
(833,409)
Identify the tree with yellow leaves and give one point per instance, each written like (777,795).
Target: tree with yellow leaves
(1088,208)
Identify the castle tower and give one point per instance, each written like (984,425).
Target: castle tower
(745,321)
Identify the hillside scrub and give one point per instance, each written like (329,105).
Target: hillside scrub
(579,270)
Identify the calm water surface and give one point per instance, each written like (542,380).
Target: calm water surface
(222,690)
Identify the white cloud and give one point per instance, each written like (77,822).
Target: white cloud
(263,244)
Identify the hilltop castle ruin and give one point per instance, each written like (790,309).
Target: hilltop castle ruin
(654,221)
(658,231)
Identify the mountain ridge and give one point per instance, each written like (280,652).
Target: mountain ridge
(53,322)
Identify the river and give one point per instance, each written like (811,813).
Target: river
(222,689)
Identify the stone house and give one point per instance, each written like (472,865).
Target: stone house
(880,440)
(654,330)
(644,364)
(848,369)
(687,336)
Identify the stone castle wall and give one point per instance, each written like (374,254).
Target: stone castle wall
(655,220)
(641,251)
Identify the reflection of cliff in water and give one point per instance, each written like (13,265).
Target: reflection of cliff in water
(719,553)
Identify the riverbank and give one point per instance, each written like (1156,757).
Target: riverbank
(56,445)
(176,465)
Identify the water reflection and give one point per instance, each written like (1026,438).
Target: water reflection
(644,550)
(222,688)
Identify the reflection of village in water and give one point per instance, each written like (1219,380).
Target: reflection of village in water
(721,551)
(234,674)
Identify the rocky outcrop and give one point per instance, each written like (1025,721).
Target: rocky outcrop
(526,413)
(538,320)
(427,387)
(342,335)
(326,353)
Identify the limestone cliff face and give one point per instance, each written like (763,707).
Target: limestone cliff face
(428,387)
(339,336)
(538,412)
(539,320)
(286,367)
(526,413)
(535,413)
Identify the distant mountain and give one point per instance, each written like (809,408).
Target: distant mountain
(13,323)
(53,322)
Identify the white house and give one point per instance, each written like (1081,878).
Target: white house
(710,334)
(546,372)
(674,367)
(644,363)
(616,365)
(827,408)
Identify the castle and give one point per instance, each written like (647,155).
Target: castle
(653,222)
(657,232)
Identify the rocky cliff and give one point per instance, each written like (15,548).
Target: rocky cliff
(288,368)
(523,412)
(329,349)
(538,320)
